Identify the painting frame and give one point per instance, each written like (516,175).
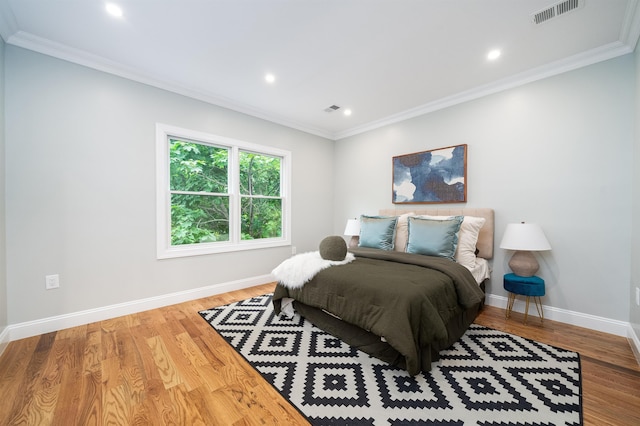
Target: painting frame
(436,176)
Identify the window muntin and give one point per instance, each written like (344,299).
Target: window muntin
(217,194)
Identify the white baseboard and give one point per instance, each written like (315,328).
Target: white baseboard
(4,339)
(606,325)
(47,325)
(60,322)
(634,342)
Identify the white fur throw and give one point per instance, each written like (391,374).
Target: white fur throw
(297,270)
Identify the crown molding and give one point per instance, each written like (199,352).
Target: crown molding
(630,31)
(57,50)
(629,35)
(8,23)
(628,39)
(580,60)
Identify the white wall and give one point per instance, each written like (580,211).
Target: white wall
(557,152)
(634,311)
(80,188)
(3,264)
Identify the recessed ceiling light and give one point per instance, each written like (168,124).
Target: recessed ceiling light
(114,10)
(493,54)
(270,78)
(347,112)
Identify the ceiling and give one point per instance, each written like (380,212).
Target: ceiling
(385,60)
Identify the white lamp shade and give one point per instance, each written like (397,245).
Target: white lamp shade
(352,228)
(524,236)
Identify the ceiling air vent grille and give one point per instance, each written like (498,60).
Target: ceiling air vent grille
(332,108)
(556,10)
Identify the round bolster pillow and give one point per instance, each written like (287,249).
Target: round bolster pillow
(333,248)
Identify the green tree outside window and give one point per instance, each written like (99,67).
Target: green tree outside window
(201,197)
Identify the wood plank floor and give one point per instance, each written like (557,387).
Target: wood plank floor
(168,367)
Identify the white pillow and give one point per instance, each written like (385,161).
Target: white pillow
(467,238)
(402,232)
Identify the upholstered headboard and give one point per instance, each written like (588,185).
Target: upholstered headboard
(485,237)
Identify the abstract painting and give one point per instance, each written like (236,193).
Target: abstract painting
(436,176)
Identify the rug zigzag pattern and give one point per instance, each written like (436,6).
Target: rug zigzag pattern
(488,378)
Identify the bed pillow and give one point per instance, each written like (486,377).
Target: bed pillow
(333,248)
(378,232)
(402,232)
(467,238)
(434,237)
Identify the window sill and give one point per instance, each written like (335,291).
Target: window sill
(189,250)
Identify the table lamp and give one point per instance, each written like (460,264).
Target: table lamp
(524,238)
(353,230)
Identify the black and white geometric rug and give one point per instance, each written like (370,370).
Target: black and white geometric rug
(487,378)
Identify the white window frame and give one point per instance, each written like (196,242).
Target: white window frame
(163,196)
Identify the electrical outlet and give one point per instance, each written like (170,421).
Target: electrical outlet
(293,249)
(638,296)
(52,281)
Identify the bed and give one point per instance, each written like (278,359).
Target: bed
(405,302)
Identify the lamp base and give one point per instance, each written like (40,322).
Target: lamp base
(524,264)
(354,241)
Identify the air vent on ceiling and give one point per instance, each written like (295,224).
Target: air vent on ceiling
(556,10)
(332,108)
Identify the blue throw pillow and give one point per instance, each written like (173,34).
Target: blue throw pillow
(434,237)
(377,232)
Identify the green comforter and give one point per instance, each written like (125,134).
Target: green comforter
(406,298)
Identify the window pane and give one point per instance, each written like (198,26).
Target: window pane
(199,219)
(261,218)
(197,167)
(259,174)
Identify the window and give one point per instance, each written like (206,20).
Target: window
(217,194)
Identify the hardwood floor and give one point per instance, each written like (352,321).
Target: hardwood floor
(168,367)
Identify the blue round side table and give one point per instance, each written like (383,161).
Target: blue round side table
(525,286)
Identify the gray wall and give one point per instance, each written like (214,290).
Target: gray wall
(80,188)
(634,311)
(3,258)
(557,152)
